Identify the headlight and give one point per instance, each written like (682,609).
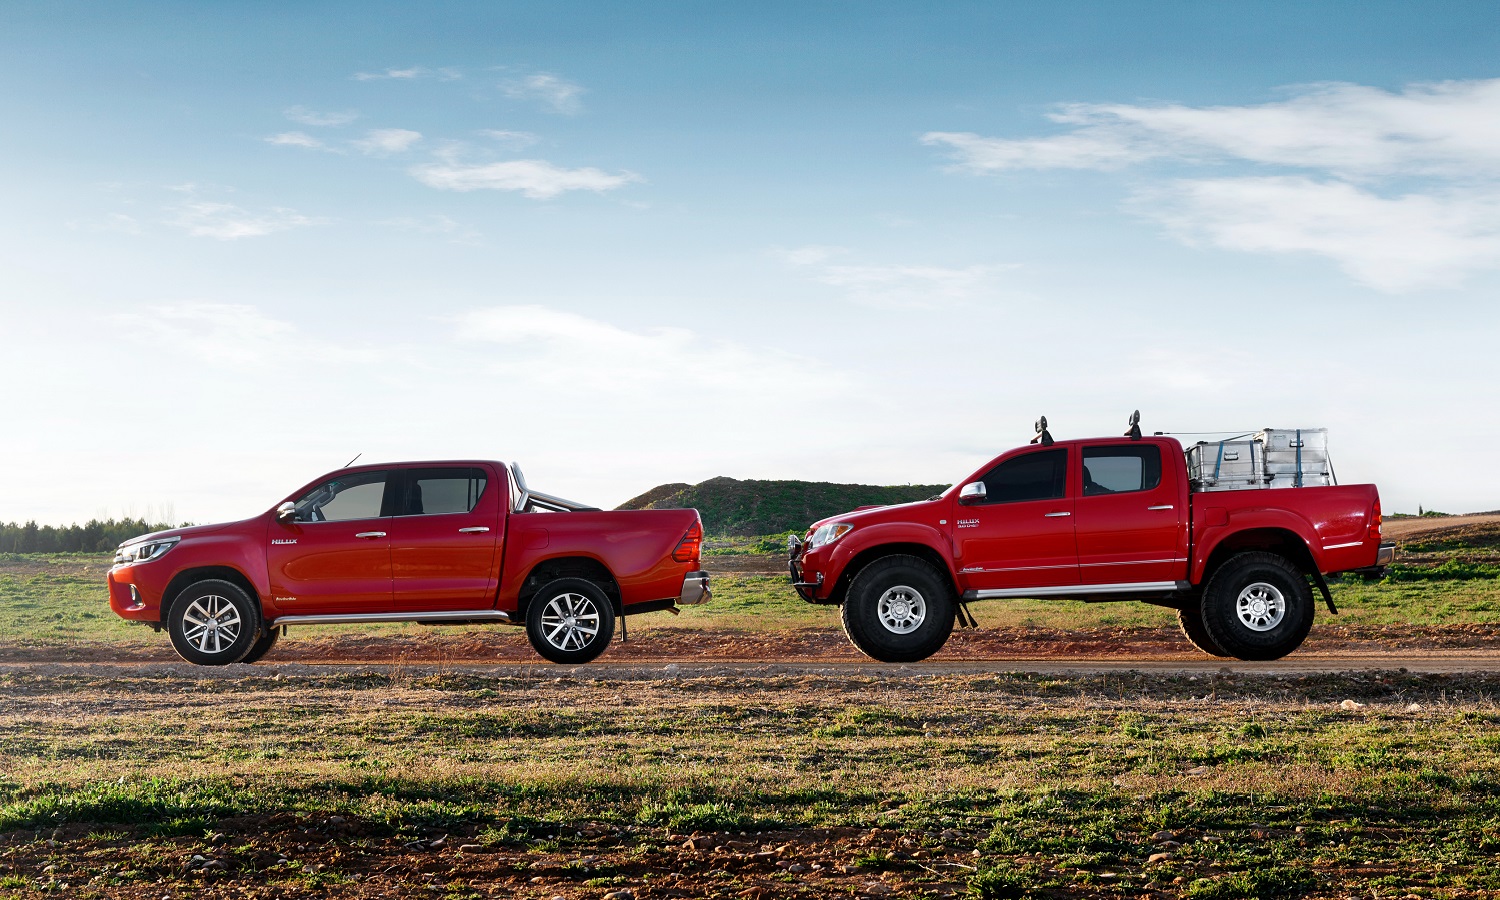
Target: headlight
(827,534)
(144,551)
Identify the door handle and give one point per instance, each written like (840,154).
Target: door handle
(1163,506)
(477,529)
(1053,515)
(370,535)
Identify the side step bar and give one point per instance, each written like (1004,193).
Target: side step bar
(435,617)
(1079,590)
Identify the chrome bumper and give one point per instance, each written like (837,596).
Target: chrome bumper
(1385,555)
(694,589)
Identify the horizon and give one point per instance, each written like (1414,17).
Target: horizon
(636,246)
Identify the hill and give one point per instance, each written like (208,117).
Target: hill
(733,507)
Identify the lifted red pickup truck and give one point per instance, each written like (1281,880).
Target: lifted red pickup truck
(1103,519)
(429,542)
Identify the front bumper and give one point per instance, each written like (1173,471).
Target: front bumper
(695,589)
(807,590)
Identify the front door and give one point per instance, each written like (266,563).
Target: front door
(1130,527)
(445,540)
(335,554)
(1021,535)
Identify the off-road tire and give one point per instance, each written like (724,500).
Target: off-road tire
(1246,631)
(213,623)
(262,646)
(1190,620)
(570,621)
(899,609)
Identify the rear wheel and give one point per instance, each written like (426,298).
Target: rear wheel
(213,623)
(570,621)
(1190,620)
(899,609)
(1258,606)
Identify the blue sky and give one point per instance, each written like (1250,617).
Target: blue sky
(630,244)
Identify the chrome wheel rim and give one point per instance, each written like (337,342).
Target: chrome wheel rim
(1261,606)
(211,624)
(902,610)
(570,621)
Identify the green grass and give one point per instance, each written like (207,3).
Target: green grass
(1059,783)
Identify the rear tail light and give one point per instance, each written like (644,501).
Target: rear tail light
(687,548)
(1374,533)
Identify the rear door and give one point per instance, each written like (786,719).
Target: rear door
(1129,516)
(1022,534)
(335,554)
(445,541)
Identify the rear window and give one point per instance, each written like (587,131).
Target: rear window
(1121,469)
(436,491)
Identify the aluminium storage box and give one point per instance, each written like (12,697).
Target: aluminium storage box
(1225,465)
(1295,457)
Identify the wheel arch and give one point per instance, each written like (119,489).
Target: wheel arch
(585,567)
(187,577)
(870,554)
(1281,541)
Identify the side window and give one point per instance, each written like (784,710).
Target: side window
(356,496)
(1121,469)
(1042,475)
(431,492)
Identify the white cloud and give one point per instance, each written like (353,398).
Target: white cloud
(1449,129)
(896,286)
(577,354)
(559,95)
(227,222)
(1400,189)
(513,140)
(386,141)
(296,139)
(230,335)
(304,116)
(534,178)
(410,74)
(1389,243)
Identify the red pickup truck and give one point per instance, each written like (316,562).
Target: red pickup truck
(1102,519)
(429,542)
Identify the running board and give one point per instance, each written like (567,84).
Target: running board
(437,617)
(1079,590)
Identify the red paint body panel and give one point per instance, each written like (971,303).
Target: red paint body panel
(1108,538)
(636,546)
(423,563)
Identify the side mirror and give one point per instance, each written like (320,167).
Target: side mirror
(286,512)
(972,493)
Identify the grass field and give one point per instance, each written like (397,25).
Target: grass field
(60,600)
(995,786)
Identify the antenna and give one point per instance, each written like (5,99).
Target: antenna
(1043,436)
(351,462)
(1135,426)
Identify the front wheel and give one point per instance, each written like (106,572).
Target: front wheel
(1258,606)
(1190,620)
(262,645)
(570,621)
(899,609)
(213,623)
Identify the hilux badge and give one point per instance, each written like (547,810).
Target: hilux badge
(283,540)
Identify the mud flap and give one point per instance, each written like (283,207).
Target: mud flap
(965,617)
(1327,594)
